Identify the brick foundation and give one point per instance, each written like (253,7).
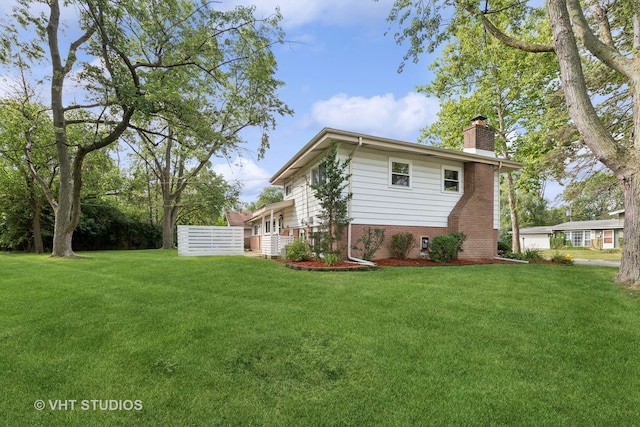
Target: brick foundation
(357,230)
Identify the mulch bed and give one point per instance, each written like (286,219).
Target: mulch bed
(388,262)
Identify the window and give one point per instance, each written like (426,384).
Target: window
(319,174)
(400,175)
(256,230)
(451,178)
(576,238)
(587,238)
(287,190)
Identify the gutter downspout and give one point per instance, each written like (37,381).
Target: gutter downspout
(349,256)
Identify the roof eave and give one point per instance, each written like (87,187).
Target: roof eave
(320,142)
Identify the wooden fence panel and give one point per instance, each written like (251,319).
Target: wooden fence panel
(210,240)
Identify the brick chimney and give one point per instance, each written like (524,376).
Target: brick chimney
(480,138)
(473,215)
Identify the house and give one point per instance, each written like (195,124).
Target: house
(398,187)
(597,234)
(239,219)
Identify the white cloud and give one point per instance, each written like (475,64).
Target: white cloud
(252,177)
(297,13)
(379,115)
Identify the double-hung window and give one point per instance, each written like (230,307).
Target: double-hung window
(451,179)
(399,173)
(319,174)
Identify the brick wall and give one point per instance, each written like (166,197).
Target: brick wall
(473,214)
(357,230)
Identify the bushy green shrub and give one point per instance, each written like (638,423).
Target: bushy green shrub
(371,239)
(331,259)
(504,248)
(299,250)
(445,248)
(401,244)
(532,255)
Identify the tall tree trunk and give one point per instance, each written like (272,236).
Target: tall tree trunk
(38,246)
(610,152)
(629,272)
(168,225)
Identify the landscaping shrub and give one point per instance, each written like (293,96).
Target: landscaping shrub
(445,248)
(562,259)
(532,255)
(299,250)
(557,242)
(401,244)
(504,248)
(331,259)
(371,240)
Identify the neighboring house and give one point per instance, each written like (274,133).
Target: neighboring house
(398,187)
(597,234)
(239,219)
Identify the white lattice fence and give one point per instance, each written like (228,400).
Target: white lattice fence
(210,240)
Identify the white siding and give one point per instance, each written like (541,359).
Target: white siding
(306,205)
(376,202)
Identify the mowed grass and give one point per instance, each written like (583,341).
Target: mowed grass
(586,254)
(240,341)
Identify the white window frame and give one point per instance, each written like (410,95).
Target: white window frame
(392,173)
(287,190)
(316,176)
(460,176)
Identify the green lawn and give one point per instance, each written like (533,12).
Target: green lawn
(588,254)
(240,341)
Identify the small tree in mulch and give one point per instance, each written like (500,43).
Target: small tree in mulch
(371,239)
(334,201)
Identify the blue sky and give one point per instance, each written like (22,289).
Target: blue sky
(340,71)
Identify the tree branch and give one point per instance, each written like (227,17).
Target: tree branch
(605,53)
(508,40)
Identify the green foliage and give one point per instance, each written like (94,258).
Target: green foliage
(401,244)
(334,201)
(331,259)
(299,250)
(267,196)
(557,242)
(188,77)
(559,258)
(594,197)
(504,247)
(532,255)
(372,240)
(104,226)
(445,248)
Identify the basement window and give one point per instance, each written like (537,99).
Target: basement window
(399,173)
(451,179)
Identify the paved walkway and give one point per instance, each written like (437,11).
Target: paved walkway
(597,262)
